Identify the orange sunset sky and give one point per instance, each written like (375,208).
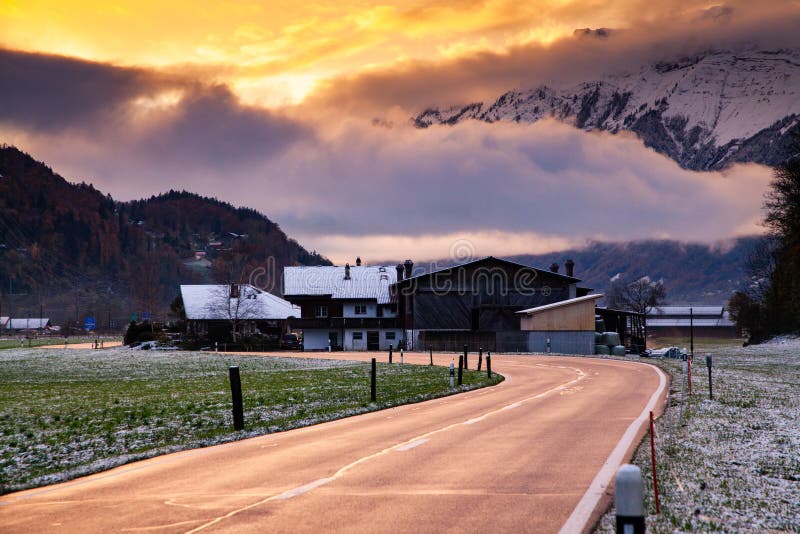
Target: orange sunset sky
(302,111)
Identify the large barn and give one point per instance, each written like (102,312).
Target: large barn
(476,303)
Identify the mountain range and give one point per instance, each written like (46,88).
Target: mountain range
(705,111)
(68,251)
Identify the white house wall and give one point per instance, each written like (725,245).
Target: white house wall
(349,310)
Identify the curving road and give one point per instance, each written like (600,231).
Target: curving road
(533,454)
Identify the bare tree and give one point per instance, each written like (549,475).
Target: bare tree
(235,303)
(637,296)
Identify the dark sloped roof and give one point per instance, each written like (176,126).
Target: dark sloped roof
(488,259)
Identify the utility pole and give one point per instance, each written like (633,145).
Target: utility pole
(691,332)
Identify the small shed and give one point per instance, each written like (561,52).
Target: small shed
(3,323)
(565,327)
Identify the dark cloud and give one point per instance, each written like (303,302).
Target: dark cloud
(149,115)
(209,127)
(46,92)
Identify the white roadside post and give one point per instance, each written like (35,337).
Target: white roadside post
(452,374)
(629,489)
(401,356)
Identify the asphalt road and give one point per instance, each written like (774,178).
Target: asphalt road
(533,454)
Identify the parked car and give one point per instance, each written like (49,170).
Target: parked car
(667,352)
(291,342)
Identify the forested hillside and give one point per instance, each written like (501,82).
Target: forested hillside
(693,273)
(67,250)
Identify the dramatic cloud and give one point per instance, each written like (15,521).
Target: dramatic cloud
(344,184)
(504,187)
(670,29)
(44,92)
(497,188)
(98,110)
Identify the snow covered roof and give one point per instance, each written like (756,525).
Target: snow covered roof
(568,302)
(365,283)
(684,310)
(213,303)
(705,322)
(27,323)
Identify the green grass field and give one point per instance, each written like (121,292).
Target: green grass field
(68,413)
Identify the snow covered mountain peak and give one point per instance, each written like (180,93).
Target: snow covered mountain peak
(706,111)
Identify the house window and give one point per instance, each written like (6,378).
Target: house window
(379,311)
(361,309)
(321,312)
(358,336)
(389,335)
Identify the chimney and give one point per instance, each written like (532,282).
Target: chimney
(554,267)
(358,261)
(347,271)
(399,272)
(569,266)
(409,265)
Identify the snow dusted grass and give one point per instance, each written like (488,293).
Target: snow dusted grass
(65,413)
(732,464)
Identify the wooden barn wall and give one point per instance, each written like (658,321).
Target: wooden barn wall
(575,317)
(446,302)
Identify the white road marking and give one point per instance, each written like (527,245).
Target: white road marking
(583,511)
(475,420)
(317,483)
(302,489)
(409,446)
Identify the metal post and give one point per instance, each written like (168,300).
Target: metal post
(480,358)
(629,490)
(373,383)
(452,374)
(431,351)
(466,365)
(236,395)
(653,459)
(390,353)
(710,387)
(401,356)
(489,363)
(460,369)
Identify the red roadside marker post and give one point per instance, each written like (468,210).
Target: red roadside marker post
(653,457)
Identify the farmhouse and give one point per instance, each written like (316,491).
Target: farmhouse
(349,308)
(678,321)
(221,312)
